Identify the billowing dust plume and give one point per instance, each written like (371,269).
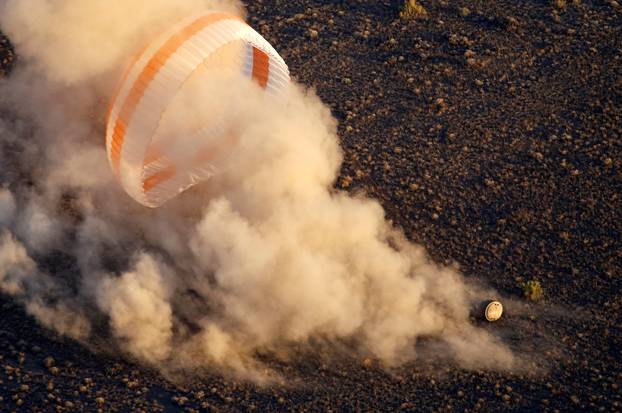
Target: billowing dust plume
(263,256)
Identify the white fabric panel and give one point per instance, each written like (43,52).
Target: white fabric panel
(158,94)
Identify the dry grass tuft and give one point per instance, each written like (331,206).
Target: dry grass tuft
(532,290)
(412,10)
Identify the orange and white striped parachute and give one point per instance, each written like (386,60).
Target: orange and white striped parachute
(151,157)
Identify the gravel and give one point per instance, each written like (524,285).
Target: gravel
(492,134)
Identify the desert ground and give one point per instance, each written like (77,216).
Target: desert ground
(491,132)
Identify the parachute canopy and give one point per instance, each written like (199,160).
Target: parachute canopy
(154,148)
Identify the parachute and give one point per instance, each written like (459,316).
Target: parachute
(154,158)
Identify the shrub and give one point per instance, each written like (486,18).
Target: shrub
(412,9)
(532,290)
(559,4)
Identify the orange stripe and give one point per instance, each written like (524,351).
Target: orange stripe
(261,67)
(159,177)
(153,67)
(119,86)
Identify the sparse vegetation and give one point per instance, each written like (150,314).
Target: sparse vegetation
(464,11)
(559,4)
(532,290)
(412,10)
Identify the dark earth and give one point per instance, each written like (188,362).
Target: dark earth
(491,131)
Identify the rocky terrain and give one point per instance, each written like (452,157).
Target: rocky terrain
(492,134)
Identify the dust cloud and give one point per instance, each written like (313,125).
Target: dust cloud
(264,255)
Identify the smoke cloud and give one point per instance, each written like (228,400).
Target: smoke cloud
(264,255)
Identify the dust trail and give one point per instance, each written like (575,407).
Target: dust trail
(264,255)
